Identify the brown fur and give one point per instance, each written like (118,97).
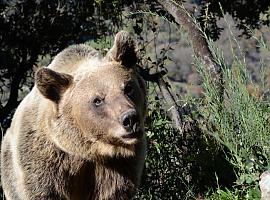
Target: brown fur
(61,145)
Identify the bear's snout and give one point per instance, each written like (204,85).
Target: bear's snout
(130,121)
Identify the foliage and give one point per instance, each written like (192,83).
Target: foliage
(236,194)
(33,28)
(236,129)
(241,122)
(180,167)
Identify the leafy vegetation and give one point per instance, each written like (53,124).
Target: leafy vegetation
(180,167)
(227,149)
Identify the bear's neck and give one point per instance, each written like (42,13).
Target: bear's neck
(107,180)
(116,179)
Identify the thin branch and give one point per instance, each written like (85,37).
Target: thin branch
(17,79)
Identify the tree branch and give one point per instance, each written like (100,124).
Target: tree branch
(199,43)
(201,49)
(174,109)
(167,95)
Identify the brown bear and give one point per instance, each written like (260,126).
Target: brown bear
(79,134)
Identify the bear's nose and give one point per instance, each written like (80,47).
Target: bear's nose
(130,120)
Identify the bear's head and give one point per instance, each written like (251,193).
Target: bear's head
(99,110)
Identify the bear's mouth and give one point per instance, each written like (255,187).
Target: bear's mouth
(134,132)
(130,135)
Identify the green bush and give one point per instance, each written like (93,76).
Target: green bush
(180,167)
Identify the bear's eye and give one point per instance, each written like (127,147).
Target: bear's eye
(97,101)
(129,90)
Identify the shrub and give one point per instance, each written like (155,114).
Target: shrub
(180,167)
(240,123)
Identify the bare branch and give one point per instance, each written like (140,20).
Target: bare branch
(167,95)
(174,109)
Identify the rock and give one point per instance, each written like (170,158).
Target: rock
(265,185)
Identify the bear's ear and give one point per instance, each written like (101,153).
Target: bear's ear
(52,84)
(123,50)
